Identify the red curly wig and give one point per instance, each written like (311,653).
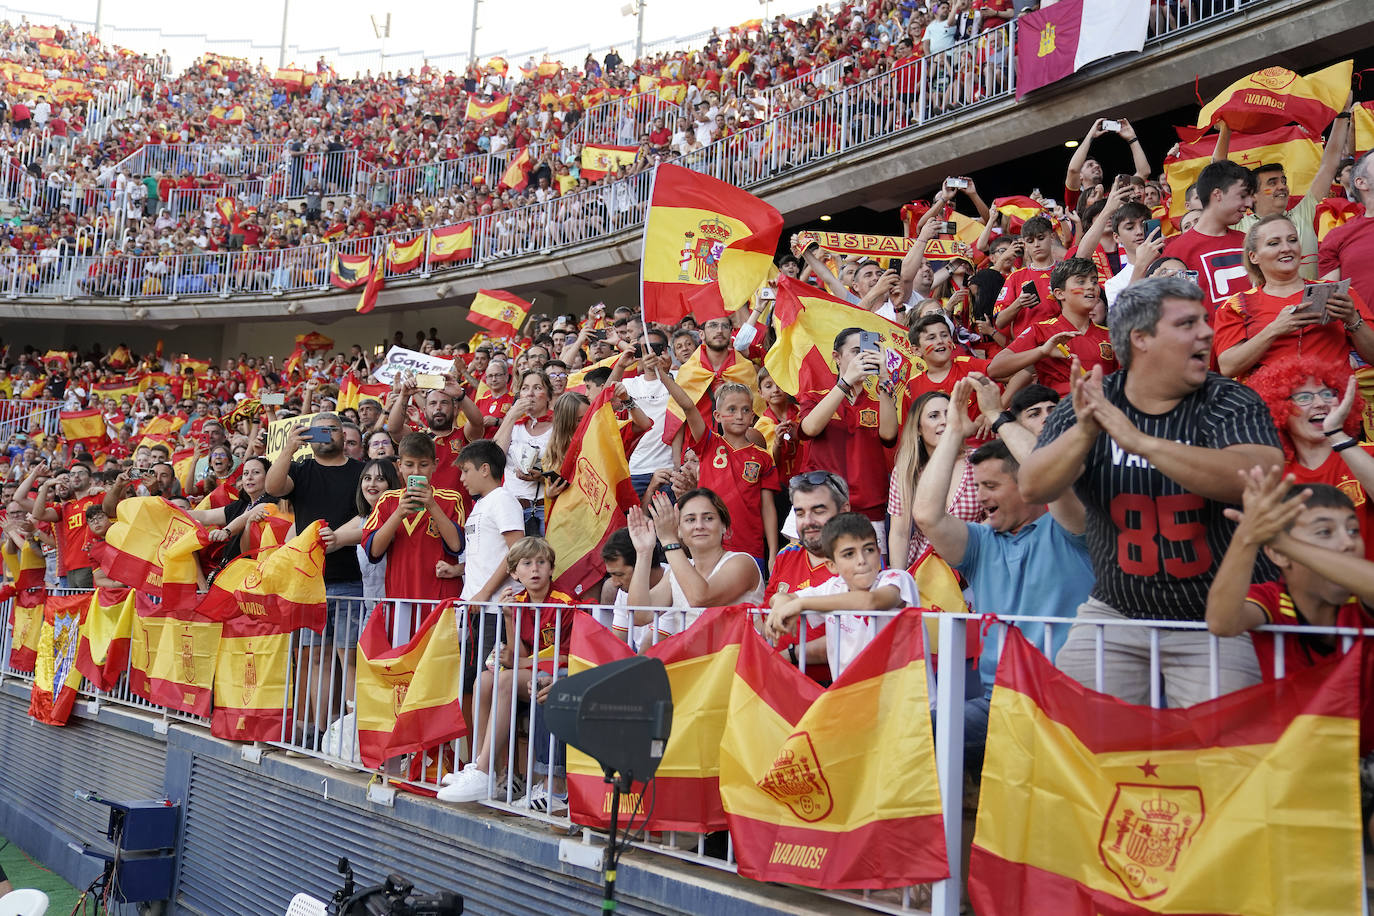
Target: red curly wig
(1275,382)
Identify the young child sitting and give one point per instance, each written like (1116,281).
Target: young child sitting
(850,547)
(530,562)
(1312,534)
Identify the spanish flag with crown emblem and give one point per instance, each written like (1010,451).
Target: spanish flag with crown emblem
(26,590)
(498,311)
(252,680)
(599,158)
(118,388)
(701,232)
(151,547)
(594,505)
(172,653)
(1293,146)
(84,426)
(480,111)
(1276,96)
(1090,805)
(807,776)
(106,627)
(405,256)
(408,696)
(451,243)
(55,676)
(701,664)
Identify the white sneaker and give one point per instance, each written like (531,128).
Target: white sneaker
(538,800)
(448,778)
(468,786)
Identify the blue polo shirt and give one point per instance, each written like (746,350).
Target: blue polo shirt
(1041,570)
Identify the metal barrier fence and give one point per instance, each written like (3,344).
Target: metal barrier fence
(319,717)
(28,416)
(944,85)
(623,121)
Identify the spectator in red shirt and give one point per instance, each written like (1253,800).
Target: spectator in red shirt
(1348,250)
(1018,306)
(417,528)
(1212,247)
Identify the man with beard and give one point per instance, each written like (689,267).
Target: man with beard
(817,497)
(63,501)
(714,363)
(439,413)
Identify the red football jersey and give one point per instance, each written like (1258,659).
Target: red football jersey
(1093,347)
(417,546)
(738,476)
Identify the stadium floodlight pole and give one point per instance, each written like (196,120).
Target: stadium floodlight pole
(472,40)
(285,16)
(99,16)
(639,33)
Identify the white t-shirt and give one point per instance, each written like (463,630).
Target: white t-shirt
(521,439)
(621,620)
(685,615)
(484,535)
(847,634)
(651,453)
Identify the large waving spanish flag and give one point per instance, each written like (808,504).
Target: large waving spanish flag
(151,547)
(598,159)
(1333,212)
(1276,96)
(451,243)
(376,282)
(808,320)
(280,583)
(594,505)
(55,677)
(172,656)
(517,175)
(484,111)
(807,777)
(408,696)
(1293,146)
(701,667)
(498,311)
(701,232)
(106,628)
(1090,805)
(86,426)
(118,388)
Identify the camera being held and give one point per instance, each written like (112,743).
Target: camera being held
(394,897)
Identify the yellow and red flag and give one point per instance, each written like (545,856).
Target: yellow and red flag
(42,32)
(1276,96)
(408,697)
(106,627)
(498,65)
(1333,212)
(376,282)
(517,174)
(549,68)
(699,233)
(699,379)
(1090,805)
(57,359)
(405,256)
(286,587)
(740,60)
(118,388)
(195,364)
(85,426)
(352,392)
(252,681)
(594,505)
(451,243)
(674,92)
(172,652)
(162,425)
(151,547)
(1017,208)
(701,666)
(55,676)
(26,623)
(599,158)
(1363,115)
(808,320)
(805,774)
(350,270)
(484,111)
(1293,146)
(498,311)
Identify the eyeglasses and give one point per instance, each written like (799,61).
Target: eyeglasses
(1305,398)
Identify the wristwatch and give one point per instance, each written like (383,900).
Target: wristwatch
(674,546)
(1003,419)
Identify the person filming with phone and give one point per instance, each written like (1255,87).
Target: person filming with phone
(1285,315)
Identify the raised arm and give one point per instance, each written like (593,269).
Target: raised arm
(1049,470)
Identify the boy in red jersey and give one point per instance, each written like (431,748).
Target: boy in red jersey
(734,467)
(1017,307)
(416,528)
(542,627)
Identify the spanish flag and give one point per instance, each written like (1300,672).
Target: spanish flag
(549,68)
(118,388)
(151,547)
(352,391)
(674,92)
(405,256)
(55,676)
(162,425)
(703,232)
(599,158)
(286,585)
(498,311)
(172,653)
(517,174)
(350,270)
(57,359)
(451,243)
(1090,805)
(594,505)
(1363,116)
(26,623)
(1333,212)
(701,665)
(120,358)
(85,426)
(807,776)
(106,626)
(1018,208)
(1293,146)
(808,320)
(42,32)
(484,111)
(1275,96)
(740,60)
(408,696)
(376,282)
(252,681)
(698,379)
(498,65)
(196,365)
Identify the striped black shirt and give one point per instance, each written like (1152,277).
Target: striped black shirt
(1154,545)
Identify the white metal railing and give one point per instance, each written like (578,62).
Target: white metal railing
(318,715)
(622,121)
(18,415)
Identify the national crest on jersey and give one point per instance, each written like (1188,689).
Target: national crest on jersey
(751,471)
(868,417)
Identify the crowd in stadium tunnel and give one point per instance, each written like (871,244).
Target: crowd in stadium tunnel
(1141,396)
